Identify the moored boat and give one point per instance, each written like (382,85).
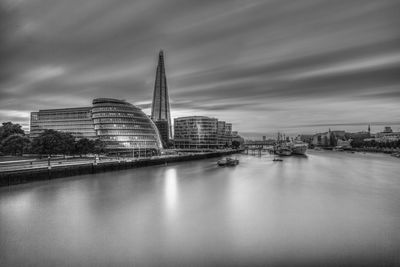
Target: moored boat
(284,151)
(228,162)
(287,147)
(299,148)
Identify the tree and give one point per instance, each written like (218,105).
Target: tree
(9,128)
(67,143)
(99,147)
(235,144)
(84,146)
(52,142)
(15,144)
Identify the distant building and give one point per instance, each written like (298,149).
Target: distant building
(123,127)
(199,132)
(326,139)
(339,134)
(221,134)
(306,138)
(160,110)
(387,135)
(345,144)
(228,133)
(387,129)
(321,139)
(359,136)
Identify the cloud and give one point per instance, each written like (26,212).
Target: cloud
(280,63)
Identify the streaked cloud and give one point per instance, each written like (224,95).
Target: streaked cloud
(264,65)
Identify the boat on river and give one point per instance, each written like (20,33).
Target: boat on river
(283,151)
(286,147)
(228,162)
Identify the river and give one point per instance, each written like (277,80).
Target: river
(329,208)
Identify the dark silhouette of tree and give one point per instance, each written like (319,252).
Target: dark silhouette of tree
(15,144)
(99,147)
(67,143)
(9,128)
(52,142)
(84,146)
(235,144)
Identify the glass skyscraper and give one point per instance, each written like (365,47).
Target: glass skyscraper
(160,111)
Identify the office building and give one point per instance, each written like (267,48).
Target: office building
(123,127)
(199,132)
(76,121)
(221,133)
(160,111)
(228,134)
(195,132)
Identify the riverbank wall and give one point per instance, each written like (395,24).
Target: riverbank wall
(9,178)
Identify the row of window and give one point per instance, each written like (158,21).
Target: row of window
(63,116)
(128,138)
(144,144)
(117,114)
(115,105)
(123,126)
(66,128)
(121,120)
(113,108)
(89,123)
(124,132)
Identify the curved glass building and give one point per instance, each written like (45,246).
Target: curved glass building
(125,128)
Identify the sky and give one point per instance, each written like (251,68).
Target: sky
(266,66)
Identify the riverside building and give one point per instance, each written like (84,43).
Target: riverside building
(123,127)
(200,132)
(76,121)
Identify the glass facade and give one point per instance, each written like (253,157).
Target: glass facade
(76,121)
(163,129)
(160,110)
(196,132)
(199,132)
(125,128)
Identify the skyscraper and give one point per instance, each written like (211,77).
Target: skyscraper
(160,111)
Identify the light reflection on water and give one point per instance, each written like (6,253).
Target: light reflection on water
(329,207)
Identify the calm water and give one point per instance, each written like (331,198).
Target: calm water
(328,208)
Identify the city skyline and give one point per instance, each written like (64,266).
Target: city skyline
(289,66)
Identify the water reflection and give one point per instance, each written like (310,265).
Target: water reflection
(171,190)
(330,205)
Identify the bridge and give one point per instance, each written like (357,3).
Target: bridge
(258,146)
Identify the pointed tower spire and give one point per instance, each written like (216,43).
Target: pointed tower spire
(160,111)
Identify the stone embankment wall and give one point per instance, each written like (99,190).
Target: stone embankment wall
(15,177)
